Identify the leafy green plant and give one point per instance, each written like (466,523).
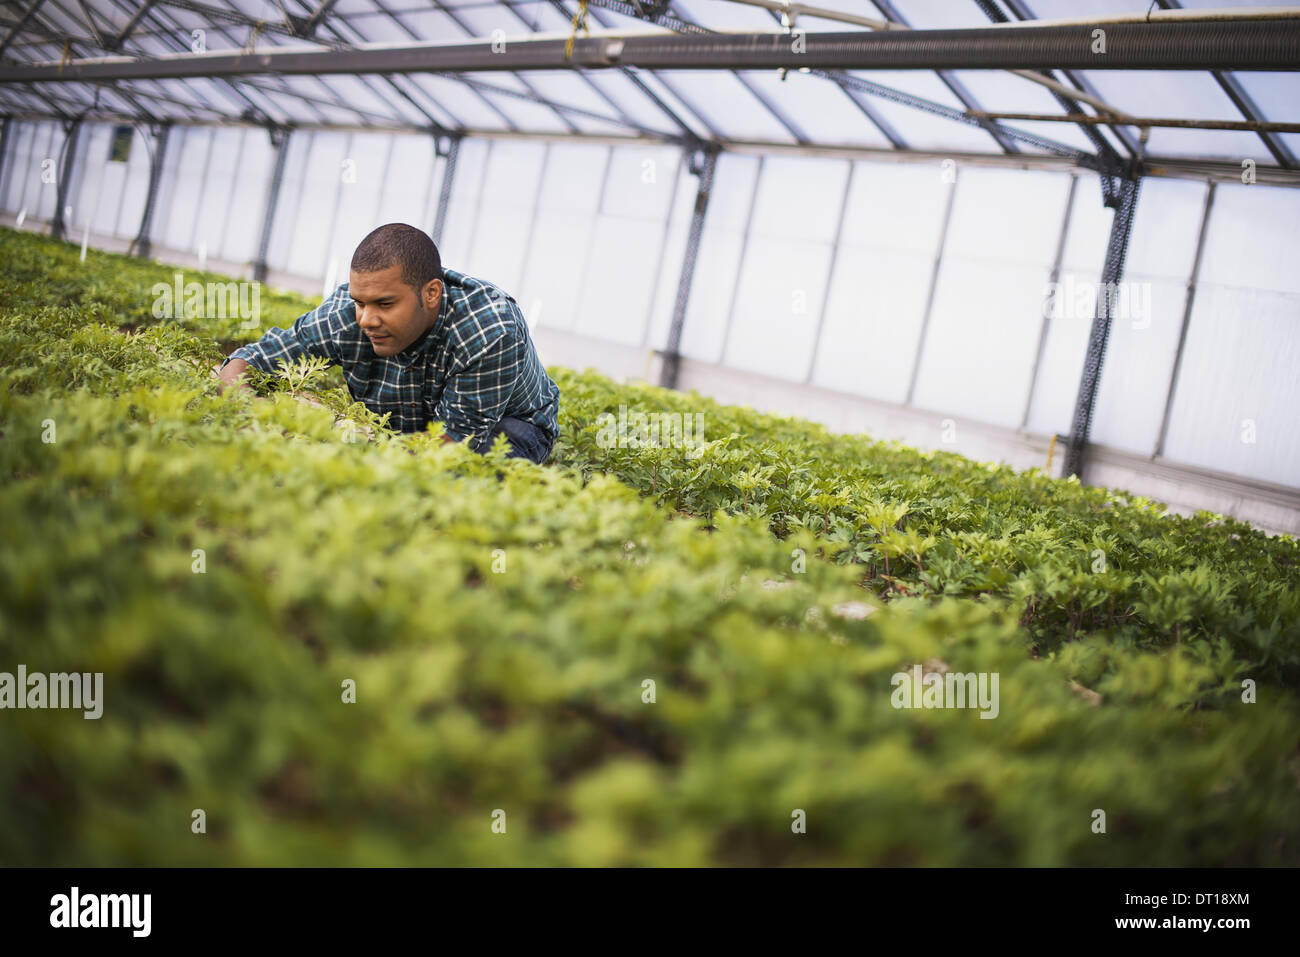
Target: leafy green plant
(1070,560)
(305,373)
(230,562)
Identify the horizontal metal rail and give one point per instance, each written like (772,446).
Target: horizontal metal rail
(1231,45)
(1248,126)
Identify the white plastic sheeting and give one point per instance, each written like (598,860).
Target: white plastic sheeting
(33,167)
(499,235)
(718,262)
(1234,408)
(106,195)
(567,205)
(1140,355)
(978,353)
(1066,317)
(625,246)
(188,154)
(878,294)
(773,317)
(247,202)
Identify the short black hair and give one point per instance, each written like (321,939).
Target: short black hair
(397,244)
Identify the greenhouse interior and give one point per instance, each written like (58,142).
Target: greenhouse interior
(640,217)
(909,263)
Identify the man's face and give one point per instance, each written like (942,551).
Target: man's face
(389,312)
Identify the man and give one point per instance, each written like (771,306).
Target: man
(424,343)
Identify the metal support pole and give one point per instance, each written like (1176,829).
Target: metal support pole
(663,250)
(57,226)
(142,245)
(701,163)
(1125,201)
(451,154)
(280,140)
(4,153)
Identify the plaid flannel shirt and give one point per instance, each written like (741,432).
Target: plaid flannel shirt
(474,366)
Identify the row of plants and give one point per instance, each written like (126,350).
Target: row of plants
(547,665)
(1071,560)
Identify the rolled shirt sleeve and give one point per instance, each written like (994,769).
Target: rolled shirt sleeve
(476,396)
(310,335)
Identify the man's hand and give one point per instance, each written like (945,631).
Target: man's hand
(232,375)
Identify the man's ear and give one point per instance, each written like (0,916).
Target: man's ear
(433,293)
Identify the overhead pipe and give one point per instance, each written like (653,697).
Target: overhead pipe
(1270,45)
(792,9)
(1245,126)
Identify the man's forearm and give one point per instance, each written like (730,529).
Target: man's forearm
(232,375)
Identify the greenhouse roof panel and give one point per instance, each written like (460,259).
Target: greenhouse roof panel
(729,105)
(464,105)
(677,105)
(935,14)
(623,91)
(835,119)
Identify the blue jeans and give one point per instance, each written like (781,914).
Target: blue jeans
(526,440)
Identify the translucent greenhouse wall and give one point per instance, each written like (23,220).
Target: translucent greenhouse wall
(915,283)
(31,169)
(212,192)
